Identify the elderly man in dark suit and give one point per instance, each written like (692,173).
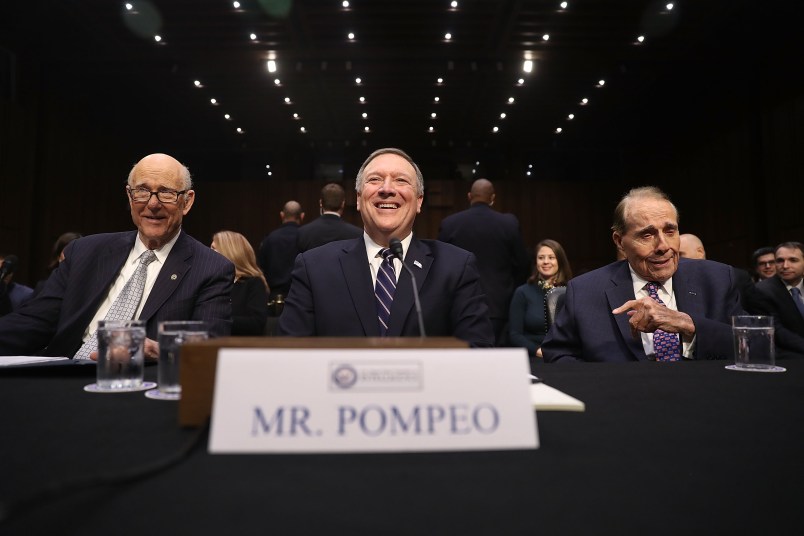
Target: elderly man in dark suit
(650,305)
(358,287)
(329,226)
(183,279)
(496,241)
(781,296)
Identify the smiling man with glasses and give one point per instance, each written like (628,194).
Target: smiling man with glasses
(178,278)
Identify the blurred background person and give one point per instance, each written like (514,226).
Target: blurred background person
(763,263)
(691,247)
(56,256)
(250,290)
(528,323)
(279,248)
(329,226)
(12,295)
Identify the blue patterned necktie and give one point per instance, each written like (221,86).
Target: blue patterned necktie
(665,345)
(126,303)
(797,298)
(384,289)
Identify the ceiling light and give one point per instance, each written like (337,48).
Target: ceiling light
(270,173)
(440,80)
(351,36)
(447,36)
(303,129)
(362,100)
(564,5)
(213,101)
(641,38)
(527,173)
(433,115)
(436,99)
(510,100)
(358,81)
(495,129)
(239,130)
(253,36)
(366,129)
(236,5)
(546,37)
(287,100)
(277,81)
(520,81)
(271,66)
(295,116)
(158,38)
(267,166)
(558,130)
(601,83)
(527,66)
(227,117)
(584,101)
(197,83)
(669,7)
(431,129)
(570,117)
(454,4)
(474,170)
(503,115)
(477,163)
(530,166)
(365,115)
(129,7)
(345,3)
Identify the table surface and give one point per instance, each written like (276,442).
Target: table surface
(661,449)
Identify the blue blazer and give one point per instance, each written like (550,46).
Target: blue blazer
(585,329)
(332,294)
(194,284)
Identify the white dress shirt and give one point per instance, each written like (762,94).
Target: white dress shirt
(372,249)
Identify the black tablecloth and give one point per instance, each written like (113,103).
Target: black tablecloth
(686,448)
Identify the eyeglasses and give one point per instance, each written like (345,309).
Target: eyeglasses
(143,195)
(766,263)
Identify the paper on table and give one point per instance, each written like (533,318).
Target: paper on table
(544,397)
(11,360)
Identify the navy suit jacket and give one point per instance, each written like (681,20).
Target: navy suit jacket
(194,284)
(325,229)
(585,329)
(771,297)
(496,241)
(276,255)
(332,294)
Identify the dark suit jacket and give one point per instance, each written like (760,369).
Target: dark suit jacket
(325,229)
(194,284)
(585,329)
(275,256)
(772,298)
(332,294)
(496,241)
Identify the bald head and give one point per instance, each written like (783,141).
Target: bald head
(163,165)
(691,247)
(482,192)
(292,211)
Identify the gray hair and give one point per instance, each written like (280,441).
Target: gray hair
(643,192)
(184,176)
(390,150)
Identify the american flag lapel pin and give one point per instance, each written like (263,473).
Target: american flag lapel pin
(417,264)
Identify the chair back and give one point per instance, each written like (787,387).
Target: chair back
(555,301)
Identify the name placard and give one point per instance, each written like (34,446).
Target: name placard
(371,400)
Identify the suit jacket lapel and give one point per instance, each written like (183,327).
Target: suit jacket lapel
(170,276)
(688,294)
(108,264)
(419,259)
(357,274)
(621,292)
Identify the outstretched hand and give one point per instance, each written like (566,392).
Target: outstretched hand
(646,315)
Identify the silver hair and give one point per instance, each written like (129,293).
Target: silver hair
(390,150)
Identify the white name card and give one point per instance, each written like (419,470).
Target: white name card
(371,400)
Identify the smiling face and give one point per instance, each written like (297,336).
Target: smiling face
(790,265)
(159,222)
(650,242)
(766,265)
(387,199)
(546,263)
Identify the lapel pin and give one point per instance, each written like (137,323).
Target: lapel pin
(174,277)
(692,293)
(417,264)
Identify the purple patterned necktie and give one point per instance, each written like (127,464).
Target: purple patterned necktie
(384,289)
(665,345)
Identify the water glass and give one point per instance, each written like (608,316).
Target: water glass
(172,334)
(754,347)
(121,357)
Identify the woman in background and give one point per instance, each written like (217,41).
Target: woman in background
(56,256)
(250,290)
(528,313)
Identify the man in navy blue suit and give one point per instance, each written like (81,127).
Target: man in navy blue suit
(332,293)
(279,248)
(496,241)
(186,281)
(329,226)
(608,314)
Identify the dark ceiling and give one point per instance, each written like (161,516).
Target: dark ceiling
(102,58)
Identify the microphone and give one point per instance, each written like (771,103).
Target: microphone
(8,266)
(396,248)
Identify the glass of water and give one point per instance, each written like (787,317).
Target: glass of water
(754,347)
(172,335)
(121,359)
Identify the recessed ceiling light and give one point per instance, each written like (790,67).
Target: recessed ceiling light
(213,101)
(477,162)
(345,3)
(447,36)
(253,36)
(527,173)
(277,81)
(236,5)
(351,36)
(287,100)
(362,99)
(510,100)
(129,6)
(267,166)
(530,166)
(358,81)
(158,38)
(503,115)
(430,129)
(558,130)
(366,128)
(564,5)
(669,7)
(454,4)
(527,66)
(433,115)
(227,117)
(520,81)
(546,37)
(495,129)
(584,101)
(571,117)
(440,80)
(197,83)
(271,66)
(295,116)
(641,38)
(436,99)
(364,115)
(239,130)
(303,129)
(270,173)
(601,83)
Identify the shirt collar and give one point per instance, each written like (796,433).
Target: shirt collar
(372,248)
(639,283)
(161,253)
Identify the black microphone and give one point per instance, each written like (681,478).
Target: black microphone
(396,248)
(8,266)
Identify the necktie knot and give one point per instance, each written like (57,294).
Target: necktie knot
(147,257)
(387,255)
